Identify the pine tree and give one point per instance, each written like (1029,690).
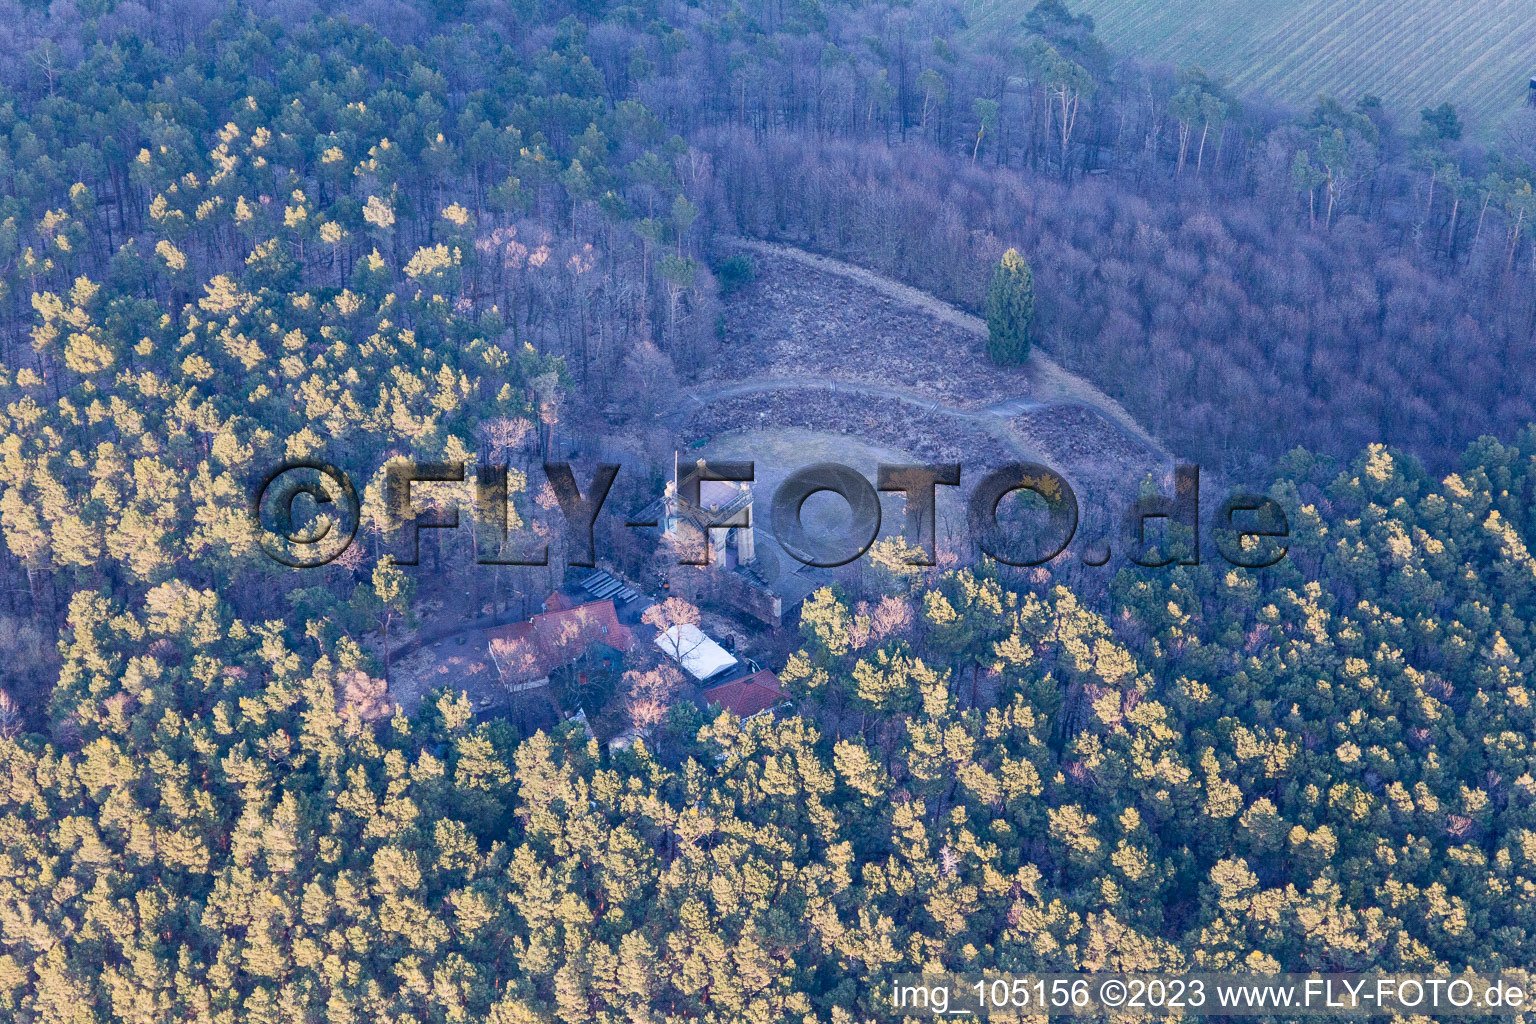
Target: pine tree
(391,592)
(1010,310)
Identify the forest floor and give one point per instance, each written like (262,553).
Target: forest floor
(819,346)
(461,662)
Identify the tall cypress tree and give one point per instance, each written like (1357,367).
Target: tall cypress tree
(1010,310)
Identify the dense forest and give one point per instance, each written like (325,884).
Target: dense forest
(1234,771)
(236,233)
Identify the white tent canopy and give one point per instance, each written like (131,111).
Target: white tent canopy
(699,656)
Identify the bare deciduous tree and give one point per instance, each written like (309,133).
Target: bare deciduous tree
(10,716)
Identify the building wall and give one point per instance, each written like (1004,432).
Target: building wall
(732,590)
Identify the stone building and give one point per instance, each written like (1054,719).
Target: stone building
(749,571)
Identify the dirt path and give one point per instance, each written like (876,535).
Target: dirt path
(987,417)
(995,425)
(1048,373)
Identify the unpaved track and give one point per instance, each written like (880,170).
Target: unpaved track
(994,423)
(757,385)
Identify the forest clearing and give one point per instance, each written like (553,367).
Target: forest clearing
(820,344)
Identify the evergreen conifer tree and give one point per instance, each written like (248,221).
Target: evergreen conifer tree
(1010,310)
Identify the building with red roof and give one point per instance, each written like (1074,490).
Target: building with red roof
(748,696)
(526,653)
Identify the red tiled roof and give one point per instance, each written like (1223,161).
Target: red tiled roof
(530,650)
(749,695)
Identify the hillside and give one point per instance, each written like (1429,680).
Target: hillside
(323,327)
(1412,53)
